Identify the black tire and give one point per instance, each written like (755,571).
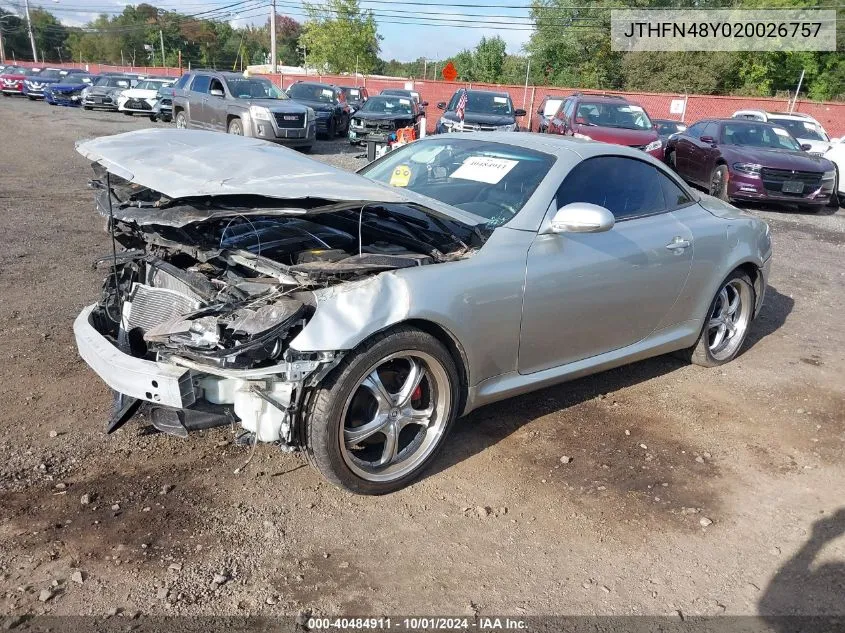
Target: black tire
(30,98)
(235,127)
(181,120)
(332,132)
(87,108)
(672,161)
(833,203)
(323,424)
(345,131)
(127,113)
(719,183)
(702,353)
(306,149)
(153,118)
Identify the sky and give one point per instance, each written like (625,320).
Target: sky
(404,41)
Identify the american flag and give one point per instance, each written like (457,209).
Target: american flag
(462,106)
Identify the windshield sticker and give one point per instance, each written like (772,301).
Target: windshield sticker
(500,99)
(780,131)
(401,176)
(484,169)
(328,93)
(809,126)
(405,101)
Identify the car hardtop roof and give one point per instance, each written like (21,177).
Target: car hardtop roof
(498,93)
(316,83)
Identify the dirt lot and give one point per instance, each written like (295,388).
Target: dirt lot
(498,526)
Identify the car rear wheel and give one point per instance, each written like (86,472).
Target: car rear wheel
(236,127)
(86,107)
(383,413)
(834,201)
(727,322)
(181,120)
(719,183)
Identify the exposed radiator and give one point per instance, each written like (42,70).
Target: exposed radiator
(148,307)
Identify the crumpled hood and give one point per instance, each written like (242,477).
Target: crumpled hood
(196,163)
(382,116)
(68,87)
(105,90)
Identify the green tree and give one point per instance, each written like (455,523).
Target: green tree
(488,59)
(338,35)
(50,35)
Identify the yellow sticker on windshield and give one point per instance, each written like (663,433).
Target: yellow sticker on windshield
(401,176)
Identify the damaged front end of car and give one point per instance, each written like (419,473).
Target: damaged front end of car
(204,295)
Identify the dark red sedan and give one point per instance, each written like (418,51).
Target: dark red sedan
(736,159)
(12,78)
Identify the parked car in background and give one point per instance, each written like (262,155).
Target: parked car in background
(668,127)
(803,127)
(163,108)
(836,155)
(143,96)
(328,103)
(399,92)
(244,106)
(548,108)
(738,159)
(103,95)
(355,96)
(68,91)
(35,85)
(607,118)
(11,80)
(380,117)
(357,316)
(485,111)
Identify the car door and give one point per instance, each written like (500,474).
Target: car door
(684,147)
(214,108)
(591,293)
(702,153)
(197,98)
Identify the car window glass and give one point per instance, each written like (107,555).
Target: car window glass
(710,129)
(625,186)
(551,107)
(216,84)
(801,129)
(758,135)
(569,108)
(183,81)
(201,83)
(673,195)
(695,129)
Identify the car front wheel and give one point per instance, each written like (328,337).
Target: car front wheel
(236,127)
(383,413)
(181,120)
(719,183)
(727,322)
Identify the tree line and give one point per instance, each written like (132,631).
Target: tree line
(571,49)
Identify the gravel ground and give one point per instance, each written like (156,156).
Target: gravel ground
(692,490)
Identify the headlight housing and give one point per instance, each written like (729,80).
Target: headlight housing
(259,113)
(510,127)
(582,136)
(653,146)
(356,122)
(829,175)
(749,169)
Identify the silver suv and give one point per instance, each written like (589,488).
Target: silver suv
(246,106)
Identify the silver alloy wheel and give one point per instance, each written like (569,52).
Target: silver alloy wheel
(181,121)
(729,319)
(717,183)
(395,416)
(235,128)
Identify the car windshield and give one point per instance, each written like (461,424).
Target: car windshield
(388,105)
(669,127)
(622,115)
(351,94)
(14,70)
(551,107)
(50,73)
(76,79)
(801,129)
(31,72)
(311,92)
(254,89)
(113,82)
(758,135)
(151,84)
(491,180)
(484,103)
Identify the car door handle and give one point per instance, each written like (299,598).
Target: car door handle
(678,244)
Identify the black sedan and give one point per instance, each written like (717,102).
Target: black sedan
(380,117)
(329,104)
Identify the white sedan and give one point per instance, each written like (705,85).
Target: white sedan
(836,155)
(143,97)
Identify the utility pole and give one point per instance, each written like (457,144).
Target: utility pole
(797,90)
(29,28)
(273,67)
(525,92)
(161,37)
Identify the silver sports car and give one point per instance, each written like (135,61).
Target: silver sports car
(356,316)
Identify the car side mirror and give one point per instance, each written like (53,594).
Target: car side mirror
(806,147)
(519,112)
(441,105)
(215,92)
(581,217)
(707,139)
